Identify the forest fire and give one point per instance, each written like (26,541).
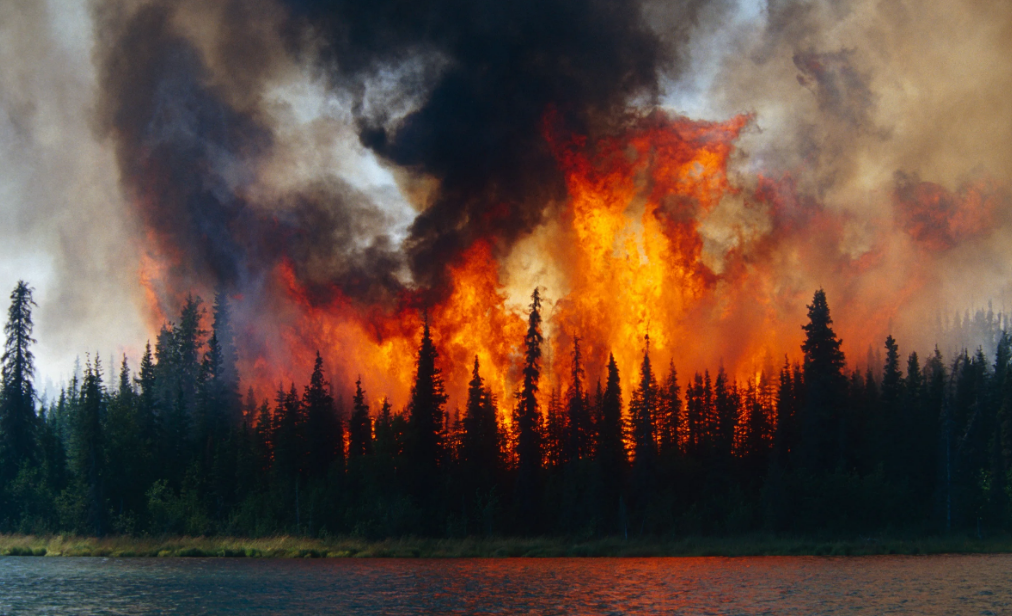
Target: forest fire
(559,266)
(565,174)
(627,255)
(627,245)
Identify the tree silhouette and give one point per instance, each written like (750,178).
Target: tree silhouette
(324,432)
(89,445)
(579,430)
(480,433)
(642,411)
(426,417)
(611,454)
(359,425)
(670,412)
(528,420)
(825,387)
(18,421)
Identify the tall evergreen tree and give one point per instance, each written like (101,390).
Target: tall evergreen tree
(528,419)
(147,411)
(611,454)
(125,452)
(426,417)
(324,431)
(787,434)
(89,446)
(481,432)
(643,409)
(726,406)
(286,435)
(18,420)
(825,388)
(223,357)
(387,444)
(669,420)
(578,423)
(360,425)
(555,429)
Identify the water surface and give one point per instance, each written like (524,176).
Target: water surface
(980,584)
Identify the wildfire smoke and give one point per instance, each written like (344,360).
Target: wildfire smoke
(341,169)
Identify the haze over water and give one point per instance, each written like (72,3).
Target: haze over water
(979,584)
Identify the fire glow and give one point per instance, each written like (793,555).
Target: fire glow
(628,250)
(631,220)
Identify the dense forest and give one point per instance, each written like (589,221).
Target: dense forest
(922,446)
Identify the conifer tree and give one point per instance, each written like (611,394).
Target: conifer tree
(825,388)
(324,432)
(694,416)
(18,420)
(223,358)
(287,441)
(263,437)
(125,451)
(668,424)
(360,425)
(725,405)
(472,415)
(892,378)
(426,416)
(386,444)
(147,411)
(188,338)
(643,409)
(579,436)
(528,419)
(481,432)
(611,454)
(555,430)
(787,434)
(89,445)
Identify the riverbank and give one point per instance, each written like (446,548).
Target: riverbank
(411,547)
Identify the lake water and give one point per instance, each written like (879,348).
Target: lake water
(762,585)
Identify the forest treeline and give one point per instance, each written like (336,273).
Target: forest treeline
(923,445)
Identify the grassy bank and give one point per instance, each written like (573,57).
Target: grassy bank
(299,547)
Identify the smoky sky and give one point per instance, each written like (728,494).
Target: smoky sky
(219,143)
(186,148)
(480,131)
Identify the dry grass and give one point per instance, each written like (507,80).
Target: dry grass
(411,547)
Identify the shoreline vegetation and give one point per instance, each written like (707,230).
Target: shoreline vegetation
(285,546)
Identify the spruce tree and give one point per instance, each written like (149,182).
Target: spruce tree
(670,411)
(359,425)
(286,433)
(386,443)
(528,419)
(825,388)
(725,405)
(89,446)
(611,454)
(426,417)
(642,410)
(18,420)
(578,424)
(554,430)
(481,433)
(324,432)
(125,452)
(147,411)
(223,361)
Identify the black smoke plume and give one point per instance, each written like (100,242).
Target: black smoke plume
(189,139)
